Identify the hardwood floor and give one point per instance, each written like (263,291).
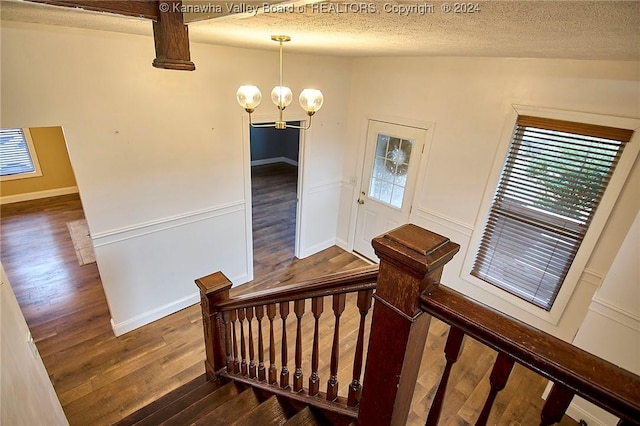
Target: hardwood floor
(274,193)
(273,190)
(100,379)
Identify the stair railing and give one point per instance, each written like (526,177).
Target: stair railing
(234,329)
(572,370)
(407,295)
(411,261)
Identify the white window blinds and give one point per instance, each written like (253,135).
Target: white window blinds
(15,157)
(553,178)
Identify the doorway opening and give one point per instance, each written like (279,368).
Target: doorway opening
(275,171)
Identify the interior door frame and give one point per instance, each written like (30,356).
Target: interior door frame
(246,154)
(428,126)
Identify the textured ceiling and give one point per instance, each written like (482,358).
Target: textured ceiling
(542,29)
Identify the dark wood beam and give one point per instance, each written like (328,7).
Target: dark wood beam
(138,8)
(172,38)
(170,33)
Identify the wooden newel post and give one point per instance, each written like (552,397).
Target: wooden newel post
(411,259)
(214,289)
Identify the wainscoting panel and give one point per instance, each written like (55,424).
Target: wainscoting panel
(319,218)
(613,334)
(456,231)
(347,203)
(183,248)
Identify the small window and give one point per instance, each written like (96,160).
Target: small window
(551,183)
(18,158)
(389,174)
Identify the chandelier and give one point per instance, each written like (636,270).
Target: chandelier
(249,97)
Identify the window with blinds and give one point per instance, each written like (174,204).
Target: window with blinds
(17,156)
(551,183)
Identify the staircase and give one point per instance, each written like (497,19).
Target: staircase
(249,378)
(208,402)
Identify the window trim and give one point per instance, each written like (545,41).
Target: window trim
(598,222)
(34,159)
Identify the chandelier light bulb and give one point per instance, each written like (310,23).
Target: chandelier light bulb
(249,97)
(281,96)
(311,100)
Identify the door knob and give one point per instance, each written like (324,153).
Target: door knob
(360,200)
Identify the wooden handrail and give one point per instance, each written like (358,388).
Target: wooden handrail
(594,379)
(338,283)
(407,295)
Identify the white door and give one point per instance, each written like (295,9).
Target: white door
(389,176)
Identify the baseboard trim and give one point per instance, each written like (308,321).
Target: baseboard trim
(577,413)
(8,199)
(344,245)
(361,257)
(155,314)
(274,160)
(318,247)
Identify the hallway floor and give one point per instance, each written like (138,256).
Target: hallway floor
(100,379)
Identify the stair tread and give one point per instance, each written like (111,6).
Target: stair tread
(305,417)
(174,407)
(164,401)
(242,403)
(269,412)
(205,404)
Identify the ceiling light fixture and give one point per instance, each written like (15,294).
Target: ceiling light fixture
(249,97)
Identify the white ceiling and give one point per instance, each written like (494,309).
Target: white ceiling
(575,29)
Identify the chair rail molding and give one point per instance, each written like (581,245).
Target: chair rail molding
(141,229)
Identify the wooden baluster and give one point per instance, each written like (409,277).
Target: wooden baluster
(298,308)
(355,388)
(243,350)
(273,370)
(284,372)
(261,369)
(234,341)
(252,352)
(451,350)
(332,384)
(317,306)
(226,319)
(498,379)
(556,405)
(214,288)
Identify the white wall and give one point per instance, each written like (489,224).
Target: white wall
(162,171)
(158,154)
(611,329)
(469,100)
(27,396)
